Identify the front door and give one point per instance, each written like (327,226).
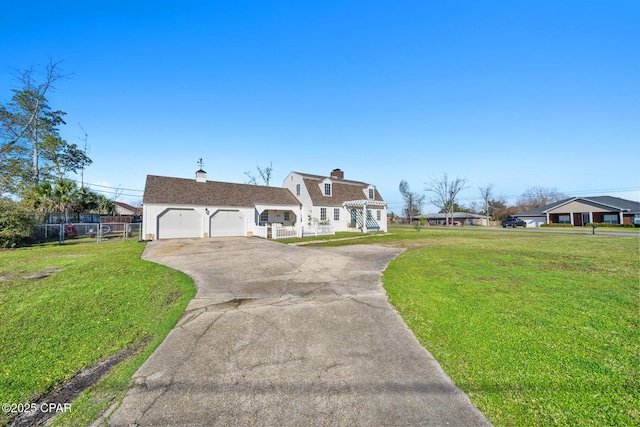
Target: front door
(577,220)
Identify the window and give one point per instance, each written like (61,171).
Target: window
(371,194)
(264,216)
(286,216)
(378,215)
(636,219)
(323,214)
(327,189)
(610,219)
(564,219)
(336,214)
(297,189)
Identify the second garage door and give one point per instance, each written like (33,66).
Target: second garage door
(227,223)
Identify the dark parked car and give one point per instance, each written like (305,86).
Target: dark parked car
(513,222)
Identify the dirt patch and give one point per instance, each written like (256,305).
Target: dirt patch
(42,273)
(71,389)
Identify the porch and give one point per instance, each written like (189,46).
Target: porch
(580,219)
(361,215)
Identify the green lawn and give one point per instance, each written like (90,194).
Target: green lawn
(98,299)
(537,328)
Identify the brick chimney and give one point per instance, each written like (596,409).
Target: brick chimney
(337,174)
(201,176)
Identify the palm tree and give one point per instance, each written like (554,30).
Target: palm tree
(65,193)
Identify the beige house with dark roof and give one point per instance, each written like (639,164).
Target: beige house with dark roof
(337,201)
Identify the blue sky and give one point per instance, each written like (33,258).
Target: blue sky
(519,94)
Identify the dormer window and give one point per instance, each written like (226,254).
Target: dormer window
(327,189)
(371,193)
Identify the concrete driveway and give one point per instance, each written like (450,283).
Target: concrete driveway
(288,336)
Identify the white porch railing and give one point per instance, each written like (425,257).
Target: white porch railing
(283,232)
(319,230)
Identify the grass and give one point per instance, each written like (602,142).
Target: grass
(96,300)
(337,235)
(537,328)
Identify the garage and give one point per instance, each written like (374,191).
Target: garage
(227,223)
(179,223)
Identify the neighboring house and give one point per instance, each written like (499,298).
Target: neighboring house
(178,207)
(461,217)
(334,200)
(580,211)
(125,209)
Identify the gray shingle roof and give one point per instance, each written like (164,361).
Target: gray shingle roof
(341,191)
(628,206)
(162,189)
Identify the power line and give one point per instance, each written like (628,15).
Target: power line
(111,187)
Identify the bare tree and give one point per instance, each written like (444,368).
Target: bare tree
(534,197)
(265,175)
(412,201)
(486,193)
(445,192)
(473,207)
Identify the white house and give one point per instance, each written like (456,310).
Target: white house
(334,200)
(178,208)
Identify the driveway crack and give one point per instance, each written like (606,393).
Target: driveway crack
(171,381)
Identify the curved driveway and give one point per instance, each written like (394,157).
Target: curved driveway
(288,336)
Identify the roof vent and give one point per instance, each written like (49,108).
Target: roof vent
(201,176)
(337,174)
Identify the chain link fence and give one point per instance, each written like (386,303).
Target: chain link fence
(90,231)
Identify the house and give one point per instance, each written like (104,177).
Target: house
(179,207)
(580,211)
(345,204)
(126,209)
(458,217)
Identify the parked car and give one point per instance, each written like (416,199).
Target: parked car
(513,222)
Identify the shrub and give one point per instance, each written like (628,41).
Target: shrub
(606,224)
(16,224)
(557,225)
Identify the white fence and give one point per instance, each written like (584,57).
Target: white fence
(261,231)
(283,232)
(100,232)
(319,230)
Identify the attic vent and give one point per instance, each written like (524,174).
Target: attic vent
(337,174)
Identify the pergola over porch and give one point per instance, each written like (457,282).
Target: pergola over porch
(361,215)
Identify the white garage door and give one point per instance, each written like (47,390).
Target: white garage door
(176,223)
(227,223)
